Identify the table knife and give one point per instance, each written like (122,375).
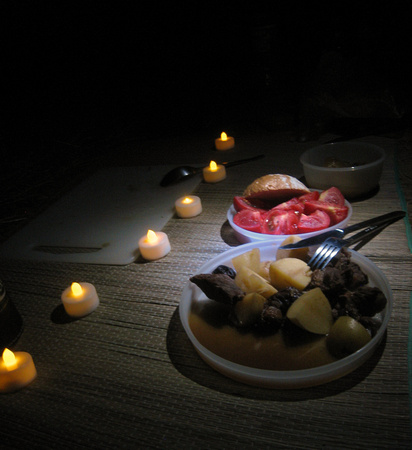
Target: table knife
(341,232)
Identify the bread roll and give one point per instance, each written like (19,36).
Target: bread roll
(276,188)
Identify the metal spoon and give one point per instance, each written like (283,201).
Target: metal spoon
(183,172)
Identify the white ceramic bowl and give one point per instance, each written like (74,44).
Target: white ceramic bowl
(284,379)
(245,236)
(361,178)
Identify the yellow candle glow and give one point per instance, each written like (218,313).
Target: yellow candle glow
(189,206)
(9,359)
(154,245)
(214,172)
(77,290)
(151,237)
(16,370)
(225,142)
(80,299)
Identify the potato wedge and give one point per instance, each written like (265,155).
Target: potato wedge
(250,259)
(249,281)
(249,309)
(312,312)
(289,272)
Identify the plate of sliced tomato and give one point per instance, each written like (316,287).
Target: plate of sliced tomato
(304,216)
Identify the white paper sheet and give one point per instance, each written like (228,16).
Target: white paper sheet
(102,219)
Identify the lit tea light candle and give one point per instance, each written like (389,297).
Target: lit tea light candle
(225,142)
(189,206)
(214,173)
(154,245)
(80,299)
(16,370)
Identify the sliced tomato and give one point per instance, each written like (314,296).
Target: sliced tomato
(314,195)
(249,220)
(241,203)
(318,220)
(278,221)
(332,196)
(291,205)
(336,213)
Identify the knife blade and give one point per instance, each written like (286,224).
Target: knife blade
(341,232)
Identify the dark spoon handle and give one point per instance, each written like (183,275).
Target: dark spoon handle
(241,161)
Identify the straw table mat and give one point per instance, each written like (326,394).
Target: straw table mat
(126,376)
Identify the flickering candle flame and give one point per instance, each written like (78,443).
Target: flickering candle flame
(187,200)
(9,359)
(77,290)
(151,237)
(213,166)
(223,136)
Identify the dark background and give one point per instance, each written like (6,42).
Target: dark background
(158,69)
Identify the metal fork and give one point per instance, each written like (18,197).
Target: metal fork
(326,252)
(332,246)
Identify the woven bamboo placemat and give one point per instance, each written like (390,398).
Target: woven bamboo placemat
(127,376)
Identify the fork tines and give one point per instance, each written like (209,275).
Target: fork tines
(325,253)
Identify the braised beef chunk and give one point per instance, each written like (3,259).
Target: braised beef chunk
(330,280)
(344,284)
(346,307)
(366,300)
(372,324)
(274,312)
(219,287)
(356,277)
(226,270)
(349,270)
(284,298)
(271,318)
(339,276)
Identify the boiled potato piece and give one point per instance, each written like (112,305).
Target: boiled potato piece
(312,312)
(300,253)
(264,270)
(250,259)
(250,281)
(249,309)
(290,272)
(346,336)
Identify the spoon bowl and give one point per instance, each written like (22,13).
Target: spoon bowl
(184,172)
(178,174)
